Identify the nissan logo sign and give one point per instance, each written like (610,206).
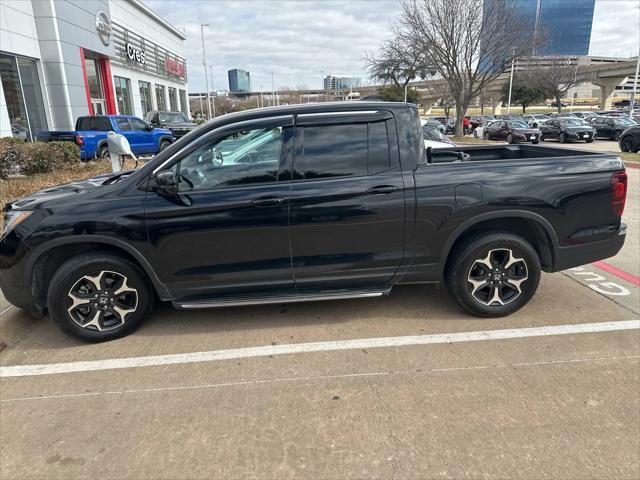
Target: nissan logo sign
(103,26)
(136,54)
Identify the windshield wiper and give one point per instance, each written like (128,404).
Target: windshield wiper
(117,177)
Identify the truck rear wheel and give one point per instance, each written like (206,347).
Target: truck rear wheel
(98,297)
(103,152)
(493,274)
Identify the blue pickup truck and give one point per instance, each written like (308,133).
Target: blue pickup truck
(91,135)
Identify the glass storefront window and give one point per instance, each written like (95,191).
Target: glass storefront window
(161,101)
(183,101)
(145,97)
(173,99)
(32,95)
(23,96)
(93,78)
(123,95)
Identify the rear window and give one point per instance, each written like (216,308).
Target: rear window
(100,124)
(346,150)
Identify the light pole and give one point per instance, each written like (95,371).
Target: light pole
(513,60)
(204,62)
(273,91)
(213,100)
(322,85)
(573,90)
(632,104)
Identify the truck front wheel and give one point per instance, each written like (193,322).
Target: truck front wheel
(493,274)
(164,144)
(98,297)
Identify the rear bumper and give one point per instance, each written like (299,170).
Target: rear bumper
(576,255)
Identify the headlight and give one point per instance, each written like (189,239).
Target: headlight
(13,218)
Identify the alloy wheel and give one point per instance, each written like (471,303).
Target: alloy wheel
(497,278)
(102,302)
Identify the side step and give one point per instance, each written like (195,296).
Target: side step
(228,301)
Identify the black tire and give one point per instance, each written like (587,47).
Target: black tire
(74,272)
(535,142)
(627,144)
(590,140)
(542,137)
(164,144)
(486,136)
(562,138)
(509,138)
(475,134)
(103,152)
(463,265)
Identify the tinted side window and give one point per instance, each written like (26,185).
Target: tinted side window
(138,124)
(335,150)
(123,124)
(101,124)
(379,157)
(243,158)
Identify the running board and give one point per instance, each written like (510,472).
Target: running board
(293,298)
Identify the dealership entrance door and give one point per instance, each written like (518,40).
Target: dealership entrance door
(98,83)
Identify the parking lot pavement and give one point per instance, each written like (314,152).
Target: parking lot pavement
(545,406)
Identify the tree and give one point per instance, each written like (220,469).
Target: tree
(555,77)
(396,62)
(468,43)
(523,92)
(441,93)
(392,93)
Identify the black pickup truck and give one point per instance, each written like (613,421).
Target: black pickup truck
(309,202)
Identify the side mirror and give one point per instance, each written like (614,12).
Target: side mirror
(149,127)
(167,184)
(119,147)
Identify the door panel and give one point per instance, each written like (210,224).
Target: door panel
(347,231)
(227,236)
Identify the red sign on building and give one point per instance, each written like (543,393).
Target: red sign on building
(174,67)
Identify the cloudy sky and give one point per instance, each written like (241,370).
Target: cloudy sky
(298,40)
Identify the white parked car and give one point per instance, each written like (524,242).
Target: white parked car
(434,138)
(479,130)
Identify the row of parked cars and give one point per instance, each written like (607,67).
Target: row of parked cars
(150,136)
(563,127)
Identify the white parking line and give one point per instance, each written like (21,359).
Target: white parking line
(244,383)
(237,353)
(6,309)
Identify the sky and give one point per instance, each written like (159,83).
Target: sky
(299,40)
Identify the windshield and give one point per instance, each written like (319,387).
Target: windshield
(517,125)
(173,117)
(435,135)
(625,121)
(572,122)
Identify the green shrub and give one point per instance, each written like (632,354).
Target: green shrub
(17,156)
(9,156)
(64,152)
(35,158)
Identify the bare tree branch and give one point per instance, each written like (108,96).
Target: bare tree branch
(469,43)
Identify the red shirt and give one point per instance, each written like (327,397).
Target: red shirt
(465,121)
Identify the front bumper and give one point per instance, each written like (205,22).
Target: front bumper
(582,135)
(16,293)
(576,255)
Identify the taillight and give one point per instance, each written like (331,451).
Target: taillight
(79,140)
(618,192)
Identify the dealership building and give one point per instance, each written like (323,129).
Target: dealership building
(61,59)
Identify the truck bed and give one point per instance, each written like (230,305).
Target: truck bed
(473,153)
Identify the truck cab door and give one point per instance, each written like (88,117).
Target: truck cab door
(226,230)
(347,207)
(124,127)
(148,142)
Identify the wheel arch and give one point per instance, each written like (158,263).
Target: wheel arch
(532,227)
(47,258)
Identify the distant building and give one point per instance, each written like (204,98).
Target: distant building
(239,80)
(341,83)
(565,25)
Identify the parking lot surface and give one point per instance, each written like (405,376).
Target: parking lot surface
(530,402)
